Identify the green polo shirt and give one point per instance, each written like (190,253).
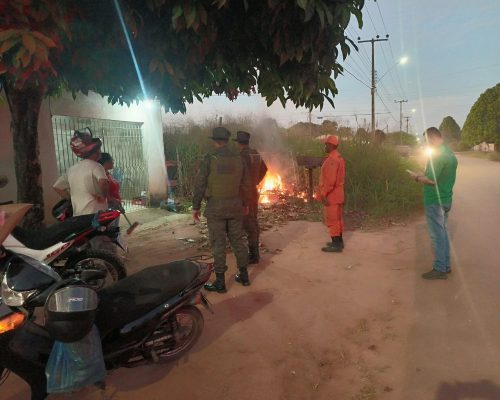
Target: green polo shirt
(442,169)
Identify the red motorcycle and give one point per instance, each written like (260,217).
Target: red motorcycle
(70,246)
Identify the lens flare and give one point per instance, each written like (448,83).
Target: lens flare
(131,49)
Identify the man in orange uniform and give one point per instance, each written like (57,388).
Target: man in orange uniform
(331,185)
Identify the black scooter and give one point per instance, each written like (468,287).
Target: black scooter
(149,317)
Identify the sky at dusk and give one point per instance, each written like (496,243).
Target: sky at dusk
(453,50)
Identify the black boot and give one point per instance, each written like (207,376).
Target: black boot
(333,240)
(253,255)
(335,246)
(242,277)
(219,285)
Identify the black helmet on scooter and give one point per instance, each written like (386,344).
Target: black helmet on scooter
(70,312)
(62,210)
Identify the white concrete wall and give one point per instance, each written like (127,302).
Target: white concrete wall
(149,113)
(91,106)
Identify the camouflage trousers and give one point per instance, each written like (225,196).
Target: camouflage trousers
(251,225)
(219,230)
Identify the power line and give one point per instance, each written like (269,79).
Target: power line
(385,92)
(350,115)
(387,108)
(391,75)
(371,19)
(355,77)
(401,94)
(381,17)
(361,52)
(362,67)
(358,71)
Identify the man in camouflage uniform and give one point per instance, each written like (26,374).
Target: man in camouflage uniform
(224,181)
(257,169)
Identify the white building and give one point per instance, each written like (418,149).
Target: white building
(486,147)
(133,135)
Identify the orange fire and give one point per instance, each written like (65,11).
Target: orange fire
(273,189)
(270,187)
(271,183)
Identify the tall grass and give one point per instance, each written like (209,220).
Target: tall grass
(376,178)
(188,145)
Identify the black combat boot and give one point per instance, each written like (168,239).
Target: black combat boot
(219,285)
(253,255)
(242,277)
(331,243)
(335,246)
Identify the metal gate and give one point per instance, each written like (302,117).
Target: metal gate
(121,139)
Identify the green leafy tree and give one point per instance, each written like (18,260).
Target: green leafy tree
(450,130)
(483,122)
(182,50)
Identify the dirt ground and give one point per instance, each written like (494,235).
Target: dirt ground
(312,325)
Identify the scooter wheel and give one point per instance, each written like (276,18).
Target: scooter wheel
(185,325)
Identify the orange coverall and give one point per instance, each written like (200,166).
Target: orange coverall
(331,185)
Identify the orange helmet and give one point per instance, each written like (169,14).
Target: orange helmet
(82,143)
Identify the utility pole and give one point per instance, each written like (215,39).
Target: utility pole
(407,119)
(400,119)
(374,82)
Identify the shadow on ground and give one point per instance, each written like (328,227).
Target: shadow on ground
(480,390)
(228,312)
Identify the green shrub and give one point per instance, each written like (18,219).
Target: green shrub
(188,145)
(376,179)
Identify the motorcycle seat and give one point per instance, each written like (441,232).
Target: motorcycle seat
(47,237)
(133,297)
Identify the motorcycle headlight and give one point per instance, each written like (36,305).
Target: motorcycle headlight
(12,298)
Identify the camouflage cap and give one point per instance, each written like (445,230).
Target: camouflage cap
(242,137)
(220,133)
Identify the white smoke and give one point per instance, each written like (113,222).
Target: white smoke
(268,138)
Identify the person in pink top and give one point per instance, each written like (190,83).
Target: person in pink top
(114,197)
(331,186)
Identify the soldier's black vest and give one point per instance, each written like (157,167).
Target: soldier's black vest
(225,176)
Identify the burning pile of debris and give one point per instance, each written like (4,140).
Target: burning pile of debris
(280,203)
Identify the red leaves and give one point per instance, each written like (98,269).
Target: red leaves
(30,38)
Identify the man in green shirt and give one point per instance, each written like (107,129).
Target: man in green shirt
(438,181)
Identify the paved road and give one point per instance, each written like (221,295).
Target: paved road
(454,345)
